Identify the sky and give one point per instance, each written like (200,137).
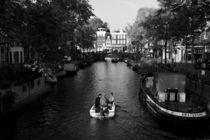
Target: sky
(119,13)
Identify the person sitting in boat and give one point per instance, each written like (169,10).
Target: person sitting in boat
(109,99)
(97,103)
(104,106)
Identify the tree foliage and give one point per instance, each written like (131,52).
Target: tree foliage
(85,36)
(137,32)
(96,23)
(43,25)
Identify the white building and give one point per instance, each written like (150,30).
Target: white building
(119,40)
(116,40)
(101,39)
(16,55)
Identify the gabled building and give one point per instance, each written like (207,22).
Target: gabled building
(101,39)
(108,40)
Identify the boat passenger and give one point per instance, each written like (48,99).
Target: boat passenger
(110,99)
(104,106)
(97,103)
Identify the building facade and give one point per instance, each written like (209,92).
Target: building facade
(111,41)
(101,39)
(119,40)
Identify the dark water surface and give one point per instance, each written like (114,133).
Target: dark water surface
(65,113)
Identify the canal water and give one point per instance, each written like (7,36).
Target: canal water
(64,115)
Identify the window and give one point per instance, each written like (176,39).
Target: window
(32,84)
(16,57)
(2,50)
(38,82)
(24,88)
(21,57)
(10,57)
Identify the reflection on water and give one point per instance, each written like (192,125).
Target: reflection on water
(65,113)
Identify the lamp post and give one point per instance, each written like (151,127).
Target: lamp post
(166,26)
(96,43)
(191,38)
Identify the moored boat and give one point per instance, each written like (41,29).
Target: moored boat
(115,60)
(108,58)
(167,99)
(71,68)
(110,114)
(60,73)
(18,96)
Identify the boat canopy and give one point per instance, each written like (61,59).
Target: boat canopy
(170,80)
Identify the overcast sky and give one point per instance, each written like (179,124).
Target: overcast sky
(118,13)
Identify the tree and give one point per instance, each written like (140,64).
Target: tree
(96,23)
(85,36)
(190,18)
(137,32)
(43,25)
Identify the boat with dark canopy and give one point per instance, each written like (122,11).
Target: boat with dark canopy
(167,98)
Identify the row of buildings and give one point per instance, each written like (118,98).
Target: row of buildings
(110,41)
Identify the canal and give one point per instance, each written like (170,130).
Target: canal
(64,115)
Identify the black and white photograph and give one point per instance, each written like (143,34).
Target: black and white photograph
(104,69)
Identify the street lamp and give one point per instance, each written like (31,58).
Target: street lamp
(166,26)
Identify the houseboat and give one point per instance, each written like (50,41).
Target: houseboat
(167,99)
(18,96)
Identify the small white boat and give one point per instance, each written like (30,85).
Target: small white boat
(108,59)
(110,114)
